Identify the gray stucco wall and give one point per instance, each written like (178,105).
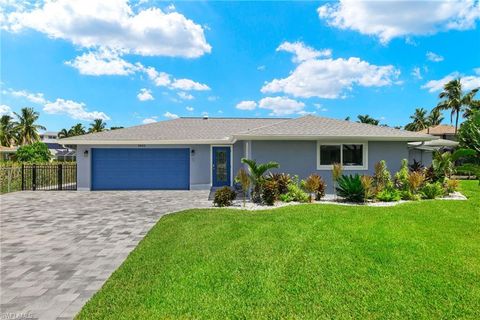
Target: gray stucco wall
(300,157)
(238,154)
(199,164)
(424,156)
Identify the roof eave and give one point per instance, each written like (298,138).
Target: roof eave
(335,138)
(144,142)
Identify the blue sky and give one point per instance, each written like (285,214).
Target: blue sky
(137,62)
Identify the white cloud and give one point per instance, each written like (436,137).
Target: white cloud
(390,19)
(5,110)
(189,109)
(37,98)
(187,85)
(246,105)
(145,95)
(103,62)
(113,24)
(330,78)
(148,120)
(170,115)
(185,96)
(319,107)
(261,68)
(75,110)
(416,73)
(432,56)
(304,112)
(301,52)
(468,82)
(281,106)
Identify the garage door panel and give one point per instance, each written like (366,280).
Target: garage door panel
(140,169)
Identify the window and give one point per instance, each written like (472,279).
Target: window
(352,156)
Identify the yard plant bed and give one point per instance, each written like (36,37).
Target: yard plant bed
(414,260)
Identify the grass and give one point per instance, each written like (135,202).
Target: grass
(417,260)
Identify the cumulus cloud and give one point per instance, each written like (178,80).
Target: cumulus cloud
(302,52)
(113,24)
(37,98)
(170,115)
(246,105)
(281,106)
(75,110)
(5,110)
(103,62)
(330,78)
(187,85)
(163,79)
(468,82)
(416,73)
(145,95)
(149,120)
(184,96)
(432,56)
(391,19)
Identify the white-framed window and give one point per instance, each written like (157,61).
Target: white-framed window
(352,156)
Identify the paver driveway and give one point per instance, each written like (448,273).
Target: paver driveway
(58,248)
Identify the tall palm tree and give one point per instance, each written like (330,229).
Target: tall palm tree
(26,127)
(77,130)
(8,134)
(419,120)
(98,125)
(64,133)
(456,101)
(435,117)
(367,119)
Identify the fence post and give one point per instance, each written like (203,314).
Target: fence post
(23,177)
(34,177)
(60,176)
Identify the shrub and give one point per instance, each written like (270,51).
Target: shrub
(401,177)
(315,184)
(432,190)
(224,197)
(282,179)
(409,195)
(381,177)
(388,195)
(35,152)
(367,183)
(415,181)
(269,192)
(336,174)
(257,172)
(416,166)
(244,179)
(350,188)
(451,186)
(294,193)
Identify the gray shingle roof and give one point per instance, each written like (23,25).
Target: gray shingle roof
(212,130)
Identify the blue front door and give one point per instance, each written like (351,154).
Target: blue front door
(221,166)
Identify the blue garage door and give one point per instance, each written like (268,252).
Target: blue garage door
(140,169)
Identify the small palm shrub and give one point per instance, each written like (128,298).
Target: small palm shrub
(432,190)
(388,195)
(381,177)
(350,188)
(224,197)
(367,183)
(269,192)
(451,186)
(294,193)
(282,179)
(314,184)
(401,177)
(257,172)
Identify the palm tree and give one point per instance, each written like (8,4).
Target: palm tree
(256,175)
(8,134)
(367,119)
(64,133)
(97,126)
(456,101)
(420,120)
(77,130)
(435,117)
(27,129)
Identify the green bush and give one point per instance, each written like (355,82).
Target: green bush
(35,152)
(351,188)
(269,192)
(389,195)
(294,193)
(451,186)
(432,190)
(401,177)
(409,195)
(224,197)
(381,177)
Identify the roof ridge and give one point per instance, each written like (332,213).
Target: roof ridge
(267,125)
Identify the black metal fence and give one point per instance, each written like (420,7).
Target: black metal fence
(62,176)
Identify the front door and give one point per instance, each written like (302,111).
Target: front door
(221,166)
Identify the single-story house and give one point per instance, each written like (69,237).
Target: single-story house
(200,153)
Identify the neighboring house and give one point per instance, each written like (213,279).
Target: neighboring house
(442,131)
(58,151)
(200,153)
(423,151)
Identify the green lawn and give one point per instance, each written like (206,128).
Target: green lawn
(416,260)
